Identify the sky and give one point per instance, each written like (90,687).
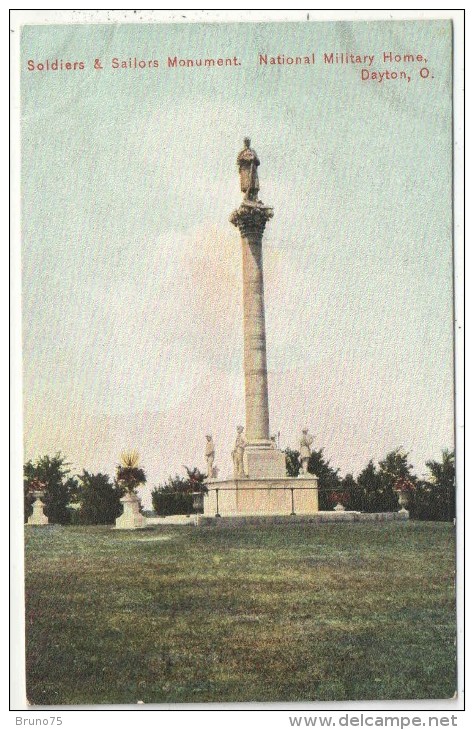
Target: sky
(131,271)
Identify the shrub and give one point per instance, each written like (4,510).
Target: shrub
(175,497)
(99,499)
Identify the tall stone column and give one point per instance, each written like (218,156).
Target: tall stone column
(259,484)
(261,459)
(251,221)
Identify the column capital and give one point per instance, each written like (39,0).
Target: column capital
(251,218)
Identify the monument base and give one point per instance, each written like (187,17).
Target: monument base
(263,461)
(276,496)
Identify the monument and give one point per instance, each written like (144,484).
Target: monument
(259,484)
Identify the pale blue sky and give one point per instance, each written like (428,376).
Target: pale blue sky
(131,271)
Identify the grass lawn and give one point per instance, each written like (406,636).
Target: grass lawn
(285,612)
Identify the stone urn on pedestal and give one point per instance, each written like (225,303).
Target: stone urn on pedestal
(403,488)
(129,477)
(339,500)
(38,517)
(196,478)
(198,501)
(403,501)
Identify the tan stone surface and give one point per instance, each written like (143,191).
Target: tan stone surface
(262,497)
(255,354)
(264,463)
(38,517)
(131,519)
(172,520)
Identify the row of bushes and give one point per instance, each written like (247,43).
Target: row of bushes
(175,497)
(96,497)
(375,489)
(87,499)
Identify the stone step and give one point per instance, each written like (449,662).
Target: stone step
(320,517)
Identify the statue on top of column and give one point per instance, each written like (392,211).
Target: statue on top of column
(252,215)
(248,162)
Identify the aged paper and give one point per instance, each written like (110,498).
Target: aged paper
(238,346)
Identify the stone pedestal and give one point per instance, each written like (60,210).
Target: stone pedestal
(277,496)
(264,462)
(131,519)
(38,517)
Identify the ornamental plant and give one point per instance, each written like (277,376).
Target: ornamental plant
(195,480)
(129,475)
(35,485)
(339,498)
(404,485)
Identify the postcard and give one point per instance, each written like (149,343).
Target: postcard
(238,348)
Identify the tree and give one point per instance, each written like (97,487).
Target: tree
(435,497)
(175,497)
(370,485)
(443,479)
(53,472)
(378,485)
(395,466)
(328,478)
(28,498)
(99,499)
(393,469)
(292,462)
(351,494)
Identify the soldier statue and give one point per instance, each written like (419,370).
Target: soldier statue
(305,451)
(209,454)
(238,453)
(248,162)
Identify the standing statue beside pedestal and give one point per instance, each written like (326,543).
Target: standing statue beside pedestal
(238,453)
(305,451)
(209,454)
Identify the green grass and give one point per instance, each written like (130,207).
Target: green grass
(281,613)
